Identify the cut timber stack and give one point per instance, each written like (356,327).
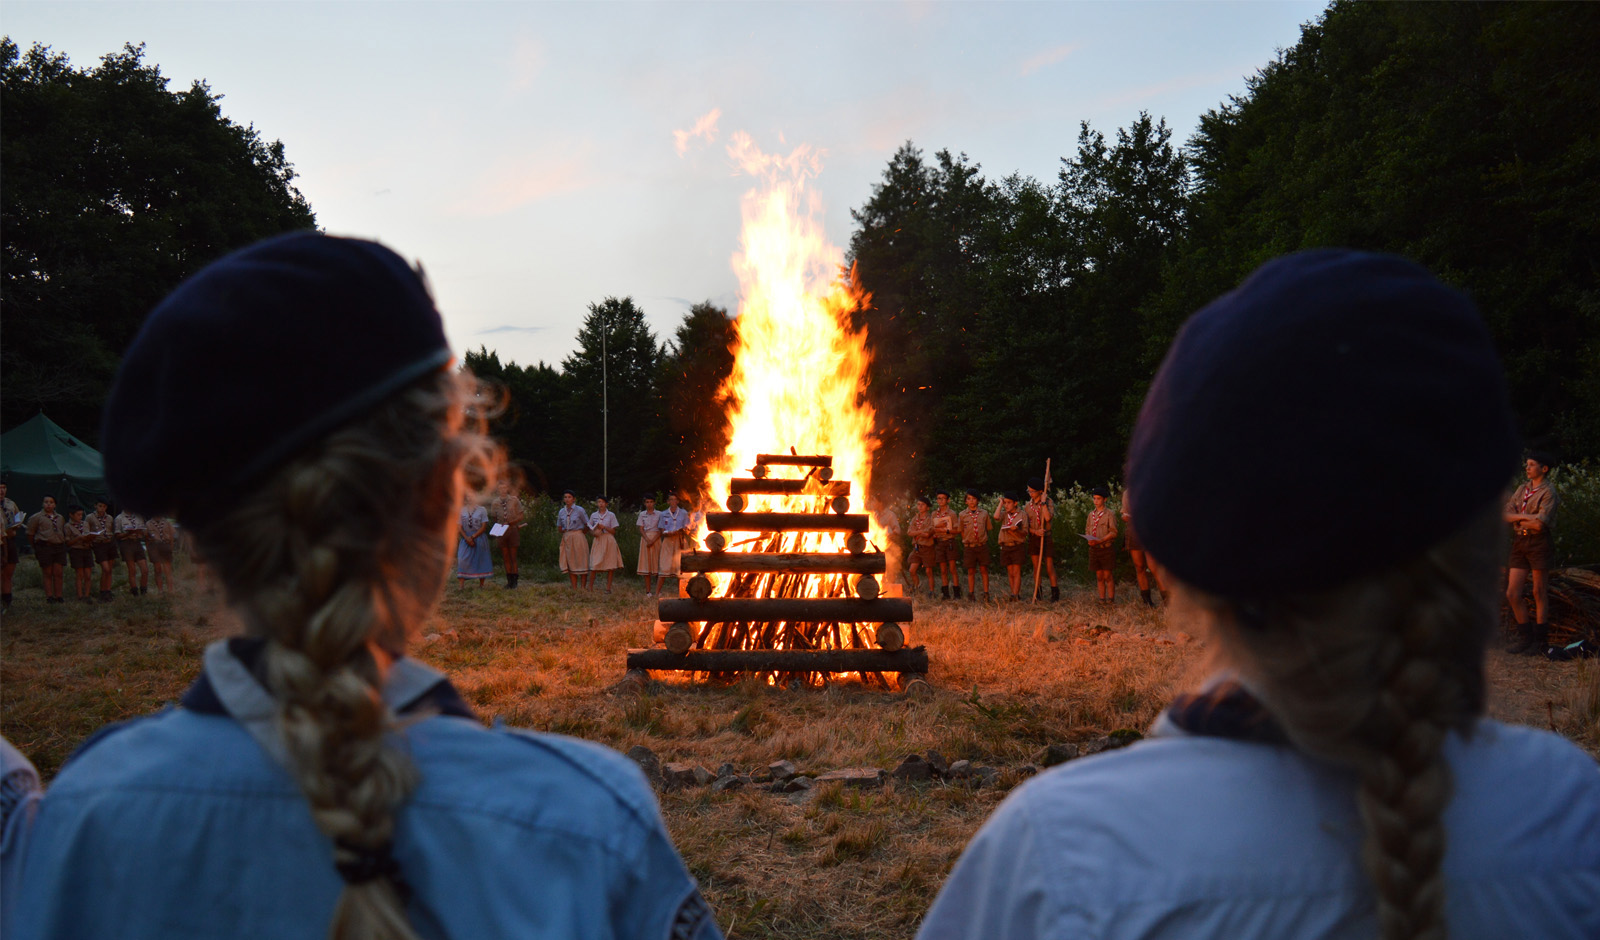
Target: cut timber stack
(796,614)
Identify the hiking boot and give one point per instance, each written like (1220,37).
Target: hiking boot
(1538,637)
(1055,593)
(956,591)
(1521,639)
(944,592)
(1145,595)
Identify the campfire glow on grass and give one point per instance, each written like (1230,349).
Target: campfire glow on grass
(794,564)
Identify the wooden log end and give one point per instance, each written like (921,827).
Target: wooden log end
(867,587)
(915,685)
(840,504)
(736,503)
(679,638)
(633,682)
(856,543)
(716,541)
(890,636)
(825,474)
(700,587)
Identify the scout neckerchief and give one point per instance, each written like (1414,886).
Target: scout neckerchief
(1225,710)
(1528,493)
(1096,517)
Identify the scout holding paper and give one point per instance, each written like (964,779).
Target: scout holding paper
(674,531)
(1013,541)
(506,512)
(129,528)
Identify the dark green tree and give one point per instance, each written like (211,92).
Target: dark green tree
(530,421)
(613,448)
(696,362)
(115,189)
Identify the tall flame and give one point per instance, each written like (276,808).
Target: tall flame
(800,369)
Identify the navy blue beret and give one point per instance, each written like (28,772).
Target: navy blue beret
(1036,483)
(1338,413)
(1101,492)
(973,491)
(257,356)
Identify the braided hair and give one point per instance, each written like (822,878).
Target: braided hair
(333,560)
(1373,675)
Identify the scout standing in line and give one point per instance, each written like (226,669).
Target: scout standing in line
(573,522)
(104,546)
(1141,561)
(975,546)
(1041,511)
(922,550)
(893,551)
(1100,529)
(129,528)
(163,534)
(649,523)
(506,509)
(1528,511)
(473,561)
(8,561)
(79,536)
(946,526)
(674,525)
(47,530)
(603,552)
(1013,541)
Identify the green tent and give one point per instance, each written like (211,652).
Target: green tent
(38,458)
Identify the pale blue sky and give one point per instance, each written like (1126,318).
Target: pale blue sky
(525,152)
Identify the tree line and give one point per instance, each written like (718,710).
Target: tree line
(1012,319)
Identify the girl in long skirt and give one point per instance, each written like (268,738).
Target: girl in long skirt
(473,561)
(603,552)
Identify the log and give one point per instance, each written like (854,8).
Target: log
(699,587)
(840,504)
(786,487)
(915,684)
(792,609)
(783,563)
(735,503)
(794,460)
(912,660)
(889,636)
(785,522)
(867,587)
(716,541)
(856,543)
(679,638)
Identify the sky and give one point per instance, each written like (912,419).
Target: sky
(540,157)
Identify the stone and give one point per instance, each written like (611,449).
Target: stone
(1057,754)
(797,784)
(937,762)
(727,770)
(782,770)
(1028,770)
(647,761)
(913,770)
(731,782)
(676,774)
(959,769)
(1102,743)
(985,776)
(702,776)
(861,778)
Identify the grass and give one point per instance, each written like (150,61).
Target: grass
(836,863)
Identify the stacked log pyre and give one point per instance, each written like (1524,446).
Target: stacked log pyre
(794,616)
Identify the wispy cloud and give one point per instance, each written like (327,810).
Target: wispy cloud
(515,181)
(705,126)
(510,329)
(1048,57)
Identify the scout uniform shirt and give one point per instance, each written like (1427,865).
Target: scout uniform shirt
(1101,525)
(649,523)
(11,524)
(128,525)
(572,518)
(103,524)
(162,530)
(48,529)
(1530,500)
(922,529)
(1039,515)
(79,534)
(506,510)
(945,523)
(974,527)
(673,521)
(1012,526)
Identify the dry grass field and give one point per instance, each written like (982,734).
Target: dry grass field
(832,863)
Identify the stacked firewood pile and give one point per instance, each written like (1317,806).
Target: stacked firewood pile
(797,616)
(1574,606)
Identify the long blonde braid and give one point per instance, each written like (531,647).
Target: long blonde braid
(1374,675)
(334,560)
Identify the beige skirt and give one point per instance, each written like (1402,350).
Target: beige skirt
(671,548)
(603,553)
(574,553)
(649,557)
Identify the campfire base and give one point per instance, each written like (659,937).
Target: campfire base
(914,660)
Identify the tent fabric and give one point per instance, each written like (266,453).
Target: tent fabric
(39,458)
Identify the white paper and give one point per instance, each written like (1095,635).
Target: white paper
(498,529)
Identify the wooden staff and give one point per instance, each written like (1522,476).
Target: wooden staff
(1038,560)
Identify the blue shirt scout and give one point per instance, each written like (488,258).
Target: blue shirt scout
(186,824)
(673,520)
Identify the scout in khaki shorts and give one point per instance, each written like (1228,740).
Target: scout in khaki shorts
(506,509)
(129,529)
(975,545)
(79,535)
(47,530)
(1529,512)
(1041,510)
(159,539)
(1013,541)
(1100,531)
(8,534)
(104,546)
(946,545)
(923,554)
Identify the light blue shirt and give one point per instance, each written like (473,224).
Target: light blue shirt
(572,518)
(1181,836)
(673,520)
(185,825)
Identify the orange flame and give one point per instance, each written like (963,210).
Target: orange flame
(800,370)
